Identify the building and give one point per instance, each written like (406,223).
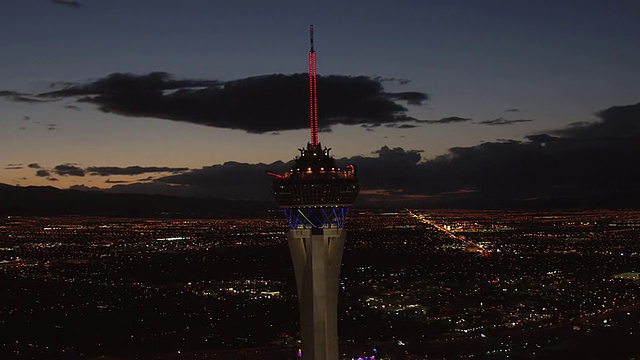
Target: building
(315,196)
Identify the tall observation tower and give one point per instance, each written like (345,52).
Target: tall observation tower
(315,196)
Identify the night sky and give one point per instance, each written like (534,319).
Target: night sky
(430,99)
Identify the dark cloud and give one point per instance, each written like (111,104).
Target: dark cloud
(13,167)
(50,178)
(400,81)
(512,110)
(20,97)
(51,127)
(391,170)
(231,180)
(26,98)
(84,188)
(398,153)
(590,164)
(138,86)
(503,121)
(74,170)
(31,99)
(131,170)
(445,120)
(69,3)
(26,117)
(60,84)
(617,122)
(68,170)
(411,97)
(260,104)
(401,126)
(73,107)
(542,138)
(109,181)
(8,93)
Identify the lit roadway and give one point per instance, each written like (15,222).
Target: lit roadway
(426,220)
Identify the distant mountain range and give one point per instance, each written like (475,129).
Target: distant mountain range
(47,200)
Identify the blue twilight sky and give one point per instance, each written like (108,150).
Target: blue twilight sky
(552,63)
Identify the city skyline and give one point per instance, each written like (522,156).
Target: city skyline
(547,90)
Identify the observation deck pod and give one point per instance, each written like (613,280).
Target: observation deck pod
(315,193)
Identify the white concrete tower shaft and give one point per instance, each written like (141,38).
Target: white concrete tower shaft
(317,258)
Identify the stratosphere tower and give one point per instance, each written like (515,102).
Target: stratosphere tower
(315,196)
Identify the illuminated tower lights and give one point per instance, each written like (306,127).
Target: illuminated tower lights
(313,93)
(315,196)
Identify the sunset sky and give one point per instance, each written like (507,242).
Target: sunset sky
(198,89)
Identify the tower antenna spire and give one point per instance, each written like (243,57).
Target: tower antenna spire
(313,92)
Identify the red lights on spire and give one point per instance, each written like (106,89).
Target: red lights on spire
(313,93)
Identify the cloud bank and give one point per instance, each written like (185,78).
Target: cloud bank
(130,170)
(76,170)
(587,165)
(260,104)
(68,3)
(503,121)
